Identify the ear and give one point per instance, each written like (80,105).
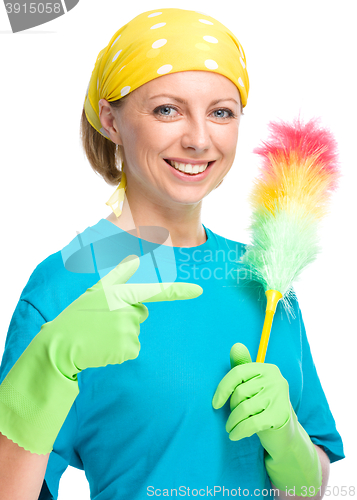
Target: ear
(109,121)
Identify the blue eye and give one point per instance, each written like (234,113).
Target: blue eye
(164,111)
(223,113)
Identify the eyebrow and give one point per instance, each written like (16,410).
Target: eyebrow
(182,101)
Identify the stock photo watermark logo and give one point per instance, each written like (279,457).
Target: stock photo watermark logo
(28,14)
(220,265)
(145,258)
(91,252)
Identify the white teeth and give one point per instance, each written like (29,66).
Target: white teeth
(187,168)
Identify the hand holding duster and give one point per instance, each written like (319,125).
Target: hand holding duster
(290,197)
(260,404)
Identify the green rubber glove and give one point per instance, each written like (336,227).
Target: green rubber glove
(101,327)
(260,404)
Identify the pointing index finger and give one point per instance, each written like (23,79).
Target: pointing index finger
(160,292)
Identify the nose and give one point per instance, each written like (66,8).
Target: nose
(196,135)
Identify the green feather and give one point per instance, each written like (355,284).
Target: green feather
(283,244)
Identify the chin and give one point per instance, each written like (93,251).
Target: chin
(188,200)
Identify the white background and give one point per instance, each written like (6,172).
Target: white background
(300,58)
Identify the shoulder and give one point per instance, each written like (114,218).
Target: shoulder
(48,272)
(229,246)
(63,276)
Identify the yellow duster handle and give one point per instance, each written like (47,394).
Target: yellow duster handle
(273,297)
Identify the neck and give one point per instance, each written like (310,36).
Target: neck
(183,224)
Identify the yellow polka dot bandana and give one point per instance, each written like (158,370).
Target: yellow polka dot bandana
(159,42)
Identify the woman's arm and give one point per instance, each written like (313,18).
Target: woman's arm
(21,472)
(325,466)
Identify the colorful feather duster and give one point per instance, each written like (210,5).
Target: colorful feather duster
(290,196)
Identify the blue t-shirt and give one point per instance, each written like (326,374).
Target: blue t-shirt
(147,427)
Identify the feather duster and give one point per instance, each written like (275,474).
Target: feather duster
(299,171)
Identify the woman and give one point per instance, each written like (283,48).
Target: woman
(166,95)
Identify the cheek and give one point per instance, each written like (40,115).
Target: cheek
(164,133)
(136,140)
(150,137)
(226,139)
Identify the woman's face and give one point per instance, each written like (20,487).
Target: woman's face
(187,120)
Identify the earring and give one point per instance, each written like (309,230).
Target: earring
(116,200)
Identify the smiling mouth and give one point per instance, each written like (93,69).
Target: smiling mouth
(187,168)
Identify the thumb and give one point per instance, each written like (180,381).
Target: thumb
(239,355)
(120,274)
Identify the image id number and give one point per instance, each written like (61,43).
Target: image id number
(331,491)
(337,491)
(33,8)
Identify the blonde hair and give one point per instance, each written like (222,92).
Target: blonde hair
(105,157)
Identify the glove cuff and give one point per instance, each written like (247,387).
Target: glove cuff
(35,398)
(292,461)
(28,425)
